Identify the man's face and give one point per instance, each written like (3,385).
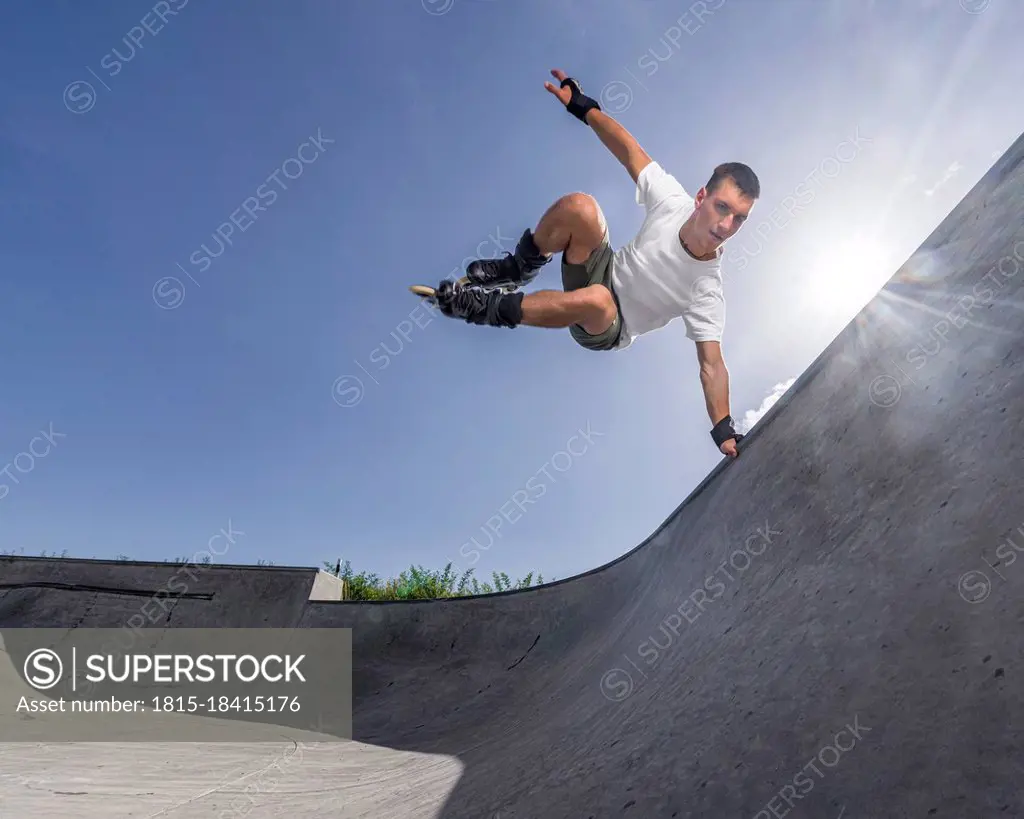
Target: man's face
(720,214)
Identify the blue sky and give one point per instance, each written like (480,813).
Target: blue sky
(397,139)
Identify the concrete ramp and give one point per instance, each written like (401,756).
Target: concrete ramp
(830,627)
(51,593)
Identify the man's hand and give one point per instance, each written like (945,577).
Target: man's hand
(570,94)
(726,437)
(729,448)
(563,94)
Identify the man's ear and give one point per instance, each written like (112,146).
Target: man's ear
(699,197)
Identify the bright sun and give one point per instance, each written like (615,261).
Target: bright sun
(849,275)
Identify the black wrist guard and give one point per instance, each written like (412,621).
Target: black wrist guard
(580,103)
(723,431)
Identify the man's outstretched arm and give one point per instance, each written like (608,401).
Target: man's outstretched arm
(619,141)
(714,380)
(616,139)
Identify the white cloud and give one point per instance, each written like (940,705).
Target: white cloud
(751,417)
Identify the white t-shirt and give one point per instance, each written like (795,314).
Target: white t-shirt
(654,277)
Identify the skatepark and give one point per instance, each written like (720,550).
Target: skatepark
(828,627)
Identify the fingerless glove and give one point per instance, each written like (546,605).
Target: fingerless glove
(723,431)
(580,103)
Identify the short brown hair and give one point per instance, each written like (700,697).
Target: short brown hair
(746,180)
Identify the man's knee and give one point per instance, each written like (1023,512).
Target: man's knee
(586,209)
(601,309)
(586,224)
(581,202)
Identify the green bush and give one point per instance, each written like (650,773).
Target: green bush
(418,583)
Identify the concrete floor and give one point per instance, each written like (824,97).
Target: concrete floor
(832,626)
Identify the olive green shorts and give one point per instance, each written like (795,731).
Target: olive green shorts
(597,269)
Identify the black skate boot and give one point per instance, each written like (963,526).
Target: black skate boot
(509,273)
(477,305)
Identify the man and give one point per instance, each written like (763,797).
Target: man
(671,269)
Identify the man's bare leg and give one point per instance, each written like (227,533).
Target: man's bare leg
(593,308)
(574,226)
